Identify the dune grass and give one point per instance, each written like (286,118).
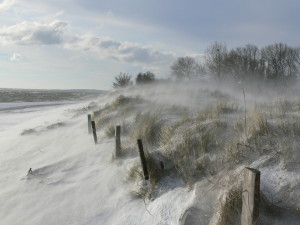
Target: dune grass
(219,137)
(147,126)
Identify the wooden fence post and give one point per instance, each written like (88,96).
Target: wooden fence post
(29,171)
(143,159)
(89,123)
(251,197)
(118,141)
(94,131)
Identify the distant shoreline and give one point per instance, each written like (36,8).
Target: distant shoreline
(53,90)
(5,107)
(46,95)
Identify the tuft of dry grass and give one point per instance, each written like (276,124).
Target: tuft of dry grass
(239,124)
(226,108)
(148,127)
(121,107)
(120,100)
(185,147)
(214,112)
(135,173)
(165,135)
(287,128)
(233,153)
(205,166)
(110,130)
(230,207)
(207,114)
(139,189)
(186,142)
(259,125)
(283,107)
(125,127)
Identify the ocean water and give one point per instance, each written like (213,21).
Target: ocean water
(19,105)
(45,95)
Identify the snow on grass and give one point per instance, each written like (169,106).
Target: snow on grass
(199,134)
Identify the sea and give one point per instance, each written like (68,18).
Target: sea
(14,102)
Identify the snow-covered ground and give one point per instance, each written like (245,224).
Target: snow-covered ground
(15,113)
(73,181)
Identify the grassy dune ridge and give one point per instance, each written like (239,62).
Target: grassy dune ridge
(203,133)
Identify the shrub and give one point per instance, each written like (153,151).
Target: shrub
(122,80)
(143,78)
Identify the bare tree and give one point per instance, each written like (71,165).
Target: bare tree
(282,60)
(244,62)
(215,59)
(278,62)
(292,62)
(185,67)
(251,55)
(122,80)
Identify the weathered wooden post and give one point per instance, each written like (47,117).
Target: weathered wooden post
(29,171)
(118,141)
(162,166)
(94,131)
(251,197)
(90,123)
(143,159)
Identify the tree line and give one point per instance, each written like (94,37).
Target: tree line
(277,62)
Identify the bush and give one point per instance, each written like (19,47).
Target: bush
(122,80)
(143,78)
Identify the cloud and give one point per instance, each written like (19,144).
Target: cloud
(109,44)
(7,4)
(53,16)
(121,51)
(34,33)
(16,57)
(27,33)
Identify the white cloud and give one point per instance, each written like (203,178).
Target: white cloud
(26,33)
(34,33)
(53,16)
(122,51)
(6,4)
(16,57)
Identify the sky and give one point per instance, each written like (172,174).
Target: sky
(84,44)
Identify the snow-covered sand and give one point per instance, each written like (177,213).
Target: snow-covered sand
(73,180)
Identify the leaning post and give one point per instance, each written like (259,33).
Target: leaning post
(94,132)
(89,123)
(143,159)
(251,197)
(118,141)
